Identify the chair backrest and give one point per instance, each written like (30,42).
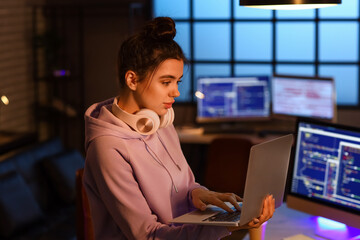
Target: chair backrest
(227,163)
(84,228)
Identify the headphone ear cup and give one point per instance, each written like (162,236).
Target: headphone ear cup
(147,122)
(167,119)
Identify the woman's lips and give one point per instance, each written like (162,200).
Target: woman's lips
(168,105)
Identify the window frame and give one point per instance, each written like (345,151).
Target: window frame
(274,62)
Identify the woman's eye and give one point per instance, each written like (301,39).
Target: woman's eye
(166,83)
(178,82)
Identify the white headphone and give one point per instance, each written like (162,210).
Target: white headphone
(145,121)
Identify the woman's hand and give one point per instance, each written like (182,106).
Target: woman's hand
(201,197)
(267,213)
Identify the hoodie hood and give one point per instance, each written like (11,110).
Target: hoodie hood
(137,183)
(100,121)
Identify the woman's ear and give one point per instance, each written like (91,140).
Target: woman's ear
(131,80)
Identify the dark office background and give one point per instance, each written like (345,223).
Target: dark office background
(58,57)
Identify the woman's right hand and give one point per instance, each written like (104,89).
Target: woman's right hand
(267,213)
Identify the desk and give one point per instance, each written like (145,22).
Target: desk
(287,223)
(197,136)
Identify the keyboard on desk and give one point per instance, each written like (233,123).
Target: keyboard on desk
(225,217)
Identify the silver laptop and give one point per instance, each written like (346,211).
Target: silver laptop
(266,174)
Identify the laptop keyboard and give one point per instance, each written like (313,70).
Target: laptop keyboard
(225,217)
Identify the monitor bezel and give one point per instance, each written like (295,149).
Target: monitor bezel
(294,116)
(235,119)
(313,205)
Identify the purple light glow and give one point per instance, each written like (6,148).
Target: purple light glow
(331,229)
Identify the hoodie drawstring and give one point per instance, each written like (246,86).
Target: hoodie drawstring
(177,165)
(157,159)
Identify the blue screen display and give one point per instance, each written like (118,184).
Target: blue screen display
(233,98)
(327,164)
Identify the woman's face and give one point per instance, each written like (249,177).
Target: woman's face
(159,92)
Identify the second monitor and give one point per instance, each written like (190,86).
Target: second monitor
(223,99)
(302,96)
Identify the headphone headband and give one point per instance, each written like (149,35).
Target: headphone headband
(145,121)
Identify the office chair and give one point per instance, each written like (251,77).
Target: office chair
(84,228)
(225,171)
(226,165)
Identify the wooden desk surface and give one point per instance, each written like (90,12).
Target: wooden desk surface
(287,223)
(197,136)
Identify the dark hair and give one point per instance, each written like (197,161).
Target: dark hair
(144,51)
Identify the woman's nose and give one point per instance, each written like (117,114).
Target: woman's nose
(175,92)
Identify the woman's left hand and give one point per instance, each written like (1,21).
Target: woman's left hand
(201,197)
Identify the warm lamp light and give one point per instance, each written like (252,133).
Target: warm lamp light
(4,100)
(289,4)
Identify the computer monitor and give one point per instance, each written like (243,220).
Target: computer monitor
(301,96)
(325,171)
(226,99)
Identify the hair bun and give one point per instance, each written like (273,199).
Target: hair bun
(160,28)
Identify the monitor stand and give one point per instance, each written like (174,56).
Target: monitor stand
(228,128)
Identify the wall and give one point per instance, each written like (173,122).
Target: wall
(349,117)
(103,30)
(16,66)
(104,26)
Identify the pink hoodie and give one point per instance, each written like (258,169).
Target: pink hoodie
(137,183)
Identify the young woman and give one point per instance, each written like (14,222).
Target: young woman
(136,176)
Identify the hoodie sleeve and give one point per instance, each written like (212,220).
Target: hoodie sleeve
(113,189)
